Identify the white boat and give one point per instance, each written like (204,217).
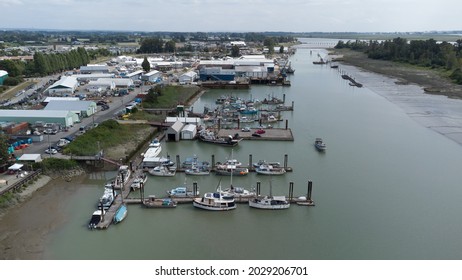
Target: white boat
(181,192)
(266,169)
(215,201)
(106,199)
(162,171)
(269,202)
(95,219)
(124,174)
(138,181)
(120,214)
(319,144)
(262,162)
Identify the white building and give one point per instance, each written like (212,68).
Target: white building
(64,118)
(188,132)
(65,86)
(94,68)
(152,76)
(174,131)
(187,77)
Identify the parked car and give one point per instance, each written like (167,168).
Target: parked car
(50,131)
(246,129)
(260,131)
(104,107)
(51,151)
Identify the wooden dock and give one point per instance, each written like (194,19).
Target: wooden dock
(271,134)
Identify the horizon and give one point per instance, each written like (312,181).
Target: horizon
(232,16)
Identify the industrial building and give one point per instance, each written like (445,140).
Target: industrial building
(64,87)
(94,68)
(152,76)
(63,118)
(187,78)
(83,109)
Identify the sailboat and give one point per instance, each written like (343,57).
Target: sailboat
(237,192)
(269,202)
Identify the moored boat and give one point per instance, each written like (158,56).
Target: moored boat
(95,219)
(215,201)
(120,214)
(211,137)
(182,192)
(153,202)
(162,171)
(197,171)
(228,170)
(266,169)
(320,145)
(269,202)
(139,181)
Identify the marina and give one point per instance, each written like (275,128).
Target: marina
(353,188)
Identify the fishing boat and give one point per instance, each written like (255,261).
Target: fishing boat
(320,145)
(198,171)
(269,202)
(266,169)
(120,214)
(228,170)
(210,137)
(96,218)
(123,174)
(215,201)
(153,202)
(162,171)
(138,182)
(264,162)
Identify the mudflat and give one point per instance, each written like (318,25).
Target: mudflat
(430,80)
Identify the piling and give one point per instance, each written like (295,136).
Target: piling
(285,161)
(213,161)
(250,162)
(258,188)
(291,191)
(194,189)
(310,188)
(178,162)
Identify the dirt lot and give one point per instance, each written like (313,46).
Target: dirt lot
(430,80)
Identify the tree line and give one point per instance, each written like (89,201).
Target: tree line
(426,53)
(45,64)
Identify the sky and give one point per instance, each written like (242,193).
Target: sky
(234,15)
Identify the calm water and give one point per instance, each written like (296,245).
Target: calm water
(387,188)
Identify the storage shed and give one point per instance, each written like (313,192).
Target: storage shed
(187,77)
(174,131)
(152,76)
(188,132)
(30,158)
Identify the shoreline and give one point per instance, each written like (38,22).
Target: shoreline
(427,98)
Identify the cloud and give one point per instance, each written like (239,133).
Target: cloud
(8,3)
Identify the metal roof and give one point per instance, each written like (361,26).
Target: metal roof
(34,113)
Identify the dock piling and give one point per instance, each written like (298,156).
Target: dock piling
(258,188)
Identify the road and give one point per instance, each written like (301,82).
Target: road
(116,105)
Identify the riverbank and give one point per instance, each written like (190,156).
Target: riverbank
(431,81)
(426,97)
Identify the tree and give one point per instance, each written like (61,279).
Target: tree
(170,46)
(146,65)
(235,52)
(281,49)
(4,155)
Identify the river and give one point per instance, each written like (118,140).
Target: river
(386,188)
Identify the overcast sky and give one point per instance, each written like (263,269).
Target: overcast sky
(234,15)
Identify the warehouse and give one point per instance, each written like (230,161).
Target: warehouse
(82,108)
(187,78)
(152,76)
(64,87)
(64,118)
(189,132)
(94,68)
(174,131)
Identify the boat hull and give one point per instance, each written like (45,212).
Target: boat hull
(198,204)
(121,214)
(267,204)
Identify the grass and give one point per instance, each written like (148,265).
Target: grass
(9,93)
(172,96)
(107,135)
